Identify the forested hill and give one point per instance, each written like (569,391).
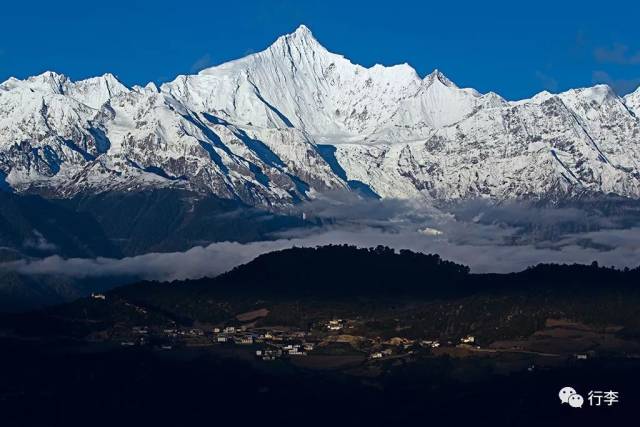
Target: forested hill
(342,268)
(343,271)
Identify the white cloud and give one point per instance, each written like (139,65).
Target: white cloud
(495,240)
(201,63)
(39,242)
(617,54)
(621,86)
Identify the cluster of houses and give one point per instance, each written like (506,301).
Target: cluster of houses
(138,336)
(276,351)
(399,346)
(468,342)
(469,339)
(269,353)
(277,342)
(335,324)
(380,354)
(177,332)
(274,343)
(243,335)
(234,335)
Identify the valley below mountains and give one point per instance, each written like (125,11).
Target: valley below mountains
(296,145)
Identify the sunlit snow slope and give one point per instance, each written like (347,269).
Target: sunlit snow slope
(296,120)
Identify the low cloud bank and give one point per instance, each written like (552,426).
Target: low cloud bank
(488,238)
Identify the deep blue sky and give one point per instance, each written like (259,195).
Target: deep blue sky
(513,48)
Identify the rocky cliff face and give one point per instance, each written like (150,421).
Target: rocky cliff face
(296,120)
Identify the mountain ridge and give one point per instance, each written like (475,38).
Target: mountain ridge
(253,130)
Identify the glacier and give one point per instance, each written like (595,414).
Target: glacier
(296,121)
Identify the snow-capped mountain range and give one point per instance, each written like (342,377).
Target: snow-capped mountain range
(296,120)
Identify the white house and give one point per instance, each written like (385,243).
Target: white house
(469,339)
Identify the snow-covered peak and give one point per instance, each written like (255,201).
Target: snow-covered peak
(292,47)
(492,100)
(92,92)
(303,31)
(296,82)
(95,91)
(49,76)
(587,96)
(634,94)
(437,77)
(150,87)
(541,97)
(47,82)
(301,36)
(255,129)
(599,94)
(632,101)
(437,103)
